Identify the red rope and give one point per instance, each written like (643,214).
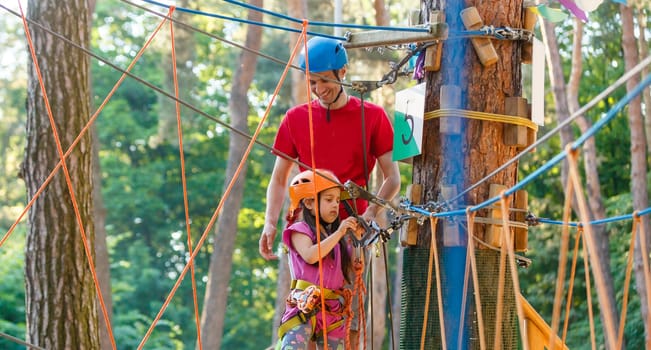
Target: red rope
(212,220)
(316,199)
(359,289)
(184,182)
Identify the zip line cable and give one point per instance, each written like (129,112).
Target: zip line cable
(186,205)
(217,211)
(163,92)
(560,156)
(68,179)
(229,42)
(326,24)
(554,160)
(19,341)
(235,19)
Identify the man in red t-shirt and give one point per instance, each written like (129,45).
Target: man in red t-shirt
(339,130)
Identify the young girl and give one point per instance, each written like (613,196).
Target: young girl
(303,319)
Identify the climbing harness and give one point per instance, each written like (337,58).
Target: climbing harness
(307,296)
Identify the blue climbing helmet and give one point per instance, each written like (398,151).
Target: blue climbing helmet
(324,54)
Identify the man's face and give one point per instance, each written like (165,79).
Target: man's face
(325,86)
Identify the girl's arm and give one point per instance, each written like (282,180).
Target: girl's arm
(310,251)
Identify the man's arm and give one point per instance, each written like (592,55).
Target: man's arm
(275,195)
(390,185)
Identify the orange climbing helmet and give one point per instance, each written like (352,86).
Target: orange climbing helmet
(308,183)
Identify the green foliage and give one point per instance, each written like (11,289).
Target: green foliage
(12,291)
(143,194)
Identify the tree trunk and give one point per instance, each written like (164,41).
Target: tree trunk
(297,9)
(458,160)
(639,186)
(643,49)
(214,309)
(59,290)
(102,260)
(185,52)
(566,102)
(381,14)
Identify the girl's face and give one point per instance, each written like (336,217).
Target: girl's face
(329,204)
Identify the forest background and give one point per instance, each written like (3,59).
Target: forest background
(140,174)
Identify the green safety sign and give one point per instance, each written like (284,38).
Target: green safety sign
(408,122)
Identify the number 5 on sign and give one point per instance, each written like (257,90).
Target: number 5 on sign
(408,122)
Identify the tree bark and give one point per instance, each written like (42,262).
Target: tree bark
(185,52)
(102,259)
(643,49)
(639,185)
(381,14)
(461,159)
(214,309)
(60,295)
(567,103)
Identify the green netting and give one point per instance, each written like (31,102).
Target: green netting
(414,286)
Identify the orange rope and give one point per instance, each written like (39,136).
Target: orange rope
(62,163)
(508,241)
(464,300)
(645,264)
(627,280)
(184,182)
(475,277)
(212,220)
(439,294)
(570,287)
(79,137)
(432,256)
(499,305)
(562,260)
(588,294)
(605,303)
(347,312)
(303,38)
(359,289)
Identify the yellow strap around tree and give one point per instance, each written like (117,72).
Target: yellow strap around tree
(501,118)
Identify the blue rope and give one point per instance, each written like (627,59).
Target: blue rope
(600,221)
(556,222)
(590,132)
(327,24)
(262,24)
(540,220)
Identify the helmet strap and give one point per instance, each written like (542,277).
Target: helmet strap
(341,90)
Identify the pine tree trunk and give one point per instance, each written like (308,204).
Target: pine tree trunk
(643,49)
(639,185)
(60,292)
(185,52)
(461,159)
(214,310)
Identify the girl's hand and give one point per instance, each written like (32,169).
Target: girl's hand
(350,224)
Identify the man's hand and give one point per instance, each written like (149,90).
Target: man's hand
(266,244)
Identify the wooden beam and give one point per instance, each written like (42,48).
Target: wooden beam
(373,38)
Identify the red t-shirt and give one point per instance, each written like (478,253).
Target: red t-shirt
(337,141)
